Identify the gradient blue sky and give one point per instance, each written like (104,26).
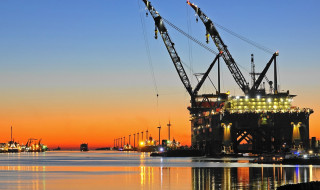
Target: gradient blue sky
(89,56)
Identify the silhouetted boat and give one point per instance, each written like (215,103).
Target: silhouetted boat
(84,147)
(58,148)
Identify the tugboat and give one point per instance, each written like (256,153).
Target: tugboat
(84,147)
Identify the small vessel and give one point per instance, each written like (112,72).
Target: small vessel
(84,147)
(127,147)
(58,148)
(13,147)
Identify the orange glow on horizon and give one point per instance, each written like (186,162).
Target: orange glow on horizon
(69,121)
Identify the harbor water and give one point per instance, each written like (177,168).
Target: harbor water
(132,170)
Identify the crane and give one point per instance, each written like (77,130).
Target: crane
(263,75)
(30,141)
(160,26)
(232,66)
(169,45)
(235,71)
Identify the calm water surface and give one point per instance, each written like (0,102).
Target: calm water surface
(123,170)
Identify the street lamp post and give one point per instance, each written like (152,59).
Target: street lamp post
(159,133)
(138,139)
(142,135)
(134,140)
(169,125)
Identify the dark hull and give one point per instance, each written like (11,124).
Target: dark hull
(13,150)
(84,147)
(148,149)
(249,132)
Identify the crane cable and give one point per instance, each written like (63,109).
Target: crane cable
(189,42)
(193,39)
(148,51)
(190,37)
(255,44)
(149,57)
(196,41)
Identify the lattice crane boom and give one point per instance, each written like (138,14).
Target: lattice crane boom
(170,46)
(232,66)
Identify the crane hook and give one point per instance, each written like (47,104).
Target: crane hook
(207,37)
(155,33)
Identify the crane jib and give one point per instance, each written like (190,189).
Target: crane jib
(170,47)
(232,66)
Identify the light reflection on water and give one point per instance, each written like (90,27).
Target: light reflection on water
(252,177)
(121,170)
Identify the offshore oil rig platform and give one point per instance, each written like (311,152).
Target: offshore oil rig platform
(255,122)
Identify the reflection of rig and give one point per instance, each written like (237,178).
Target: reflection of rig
(256,122)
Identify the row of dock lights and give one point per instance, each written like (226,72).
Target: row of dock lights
(121,143)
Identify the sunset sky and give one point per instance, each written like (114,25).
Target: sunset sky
(77,71)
